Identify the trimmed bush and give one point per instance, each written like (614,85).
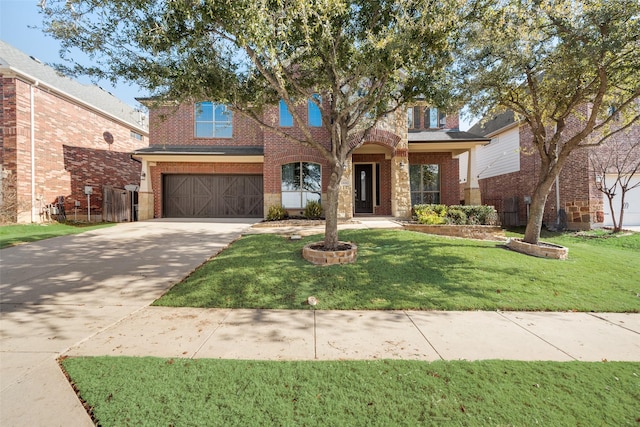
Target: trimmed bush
(276,213)
(456,214)
(431,214)
(313,210)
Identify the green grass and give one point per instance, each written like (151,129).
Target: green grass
(183,392)
(408,270)
(15,234)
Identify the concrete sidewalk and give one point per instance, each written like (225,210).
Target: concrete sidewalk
(342,335)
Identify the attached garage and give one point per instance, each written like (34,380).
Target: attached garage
(631,205)
(212,196)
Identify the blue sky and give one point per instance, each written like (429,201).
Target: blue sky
(16,19)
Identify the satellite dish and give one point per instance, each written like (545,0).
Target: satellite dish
(108,137)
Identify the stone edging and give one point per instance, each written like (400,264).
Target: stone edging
(542,249)
(320,257)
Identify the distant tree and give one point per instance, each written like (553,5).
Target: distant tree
(559,65)
(367,58)
(616,163)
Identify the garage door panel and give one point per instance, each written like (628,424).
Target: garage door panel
(211,196)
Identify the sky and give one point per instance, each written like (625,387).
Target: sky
(17,19)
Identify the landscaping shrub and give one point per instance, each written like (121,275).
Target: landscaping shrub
(313,210)
(431,214)
(276,213)
(456,214)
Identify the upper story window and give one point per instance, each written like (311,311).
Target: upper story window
(301,183)
(136,135)
(314,114)
(413,117)
(434,118)
(286,119)
(426,118)
(213,120)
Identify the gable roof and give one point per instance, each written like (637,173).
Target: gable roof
(486,128)
(14,62)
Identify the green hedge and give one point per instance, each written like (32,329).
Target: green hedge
(456,214)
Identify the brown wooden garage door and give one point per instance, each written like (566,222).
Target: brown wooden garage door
(212,196)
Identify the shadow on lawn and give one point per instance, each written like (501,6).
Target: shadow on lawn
(394,270)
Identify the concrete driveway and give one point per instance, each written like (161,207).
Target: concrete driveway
(58,292)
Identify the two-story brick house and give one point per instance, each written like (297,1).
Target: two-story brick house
(58,137)
(508,169)
(204,160)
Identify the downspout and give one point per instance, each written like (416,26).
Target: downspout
(33,149)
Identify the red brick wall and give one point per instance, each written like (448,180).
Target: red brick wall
(195,168)
(278,150)
(176,126)
(577,192)
(60,125)
(449,174)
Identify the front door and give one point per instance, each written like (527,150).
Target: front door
(363,188)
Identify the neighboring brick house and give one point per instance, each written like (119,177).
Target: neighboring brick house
(206,161)
(508,169)
(58,136)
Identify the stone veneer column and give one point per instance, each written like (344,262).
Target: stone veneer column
(472,195)
(145,195)
(271,199)
(400,190)
(345,194)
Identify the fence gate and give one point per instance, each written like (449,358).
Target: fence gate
(116,204)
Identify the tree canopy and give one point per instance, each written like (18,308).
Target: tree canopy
(367,57)
(568,69)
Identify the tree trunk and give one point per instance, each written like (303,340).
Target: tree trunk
(536,210)
(618,227)
(331,211)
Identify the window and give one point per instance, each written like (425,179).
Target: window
(315,117)
(425,184)
(434,119)
(286,119)
(415,117)
(213,120)
(136,135)
(301,183)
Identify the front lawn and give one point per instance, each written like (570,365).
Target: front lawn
(408,270)
(15,234)
(130,391)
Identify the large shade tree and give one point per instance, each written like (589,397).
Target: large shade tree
(568,69)
(366,58)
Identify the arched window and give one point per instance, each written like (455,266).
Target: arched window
(301,183)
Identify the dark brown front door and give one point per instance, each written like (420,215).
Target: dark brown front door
(363,176)
(212,196)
